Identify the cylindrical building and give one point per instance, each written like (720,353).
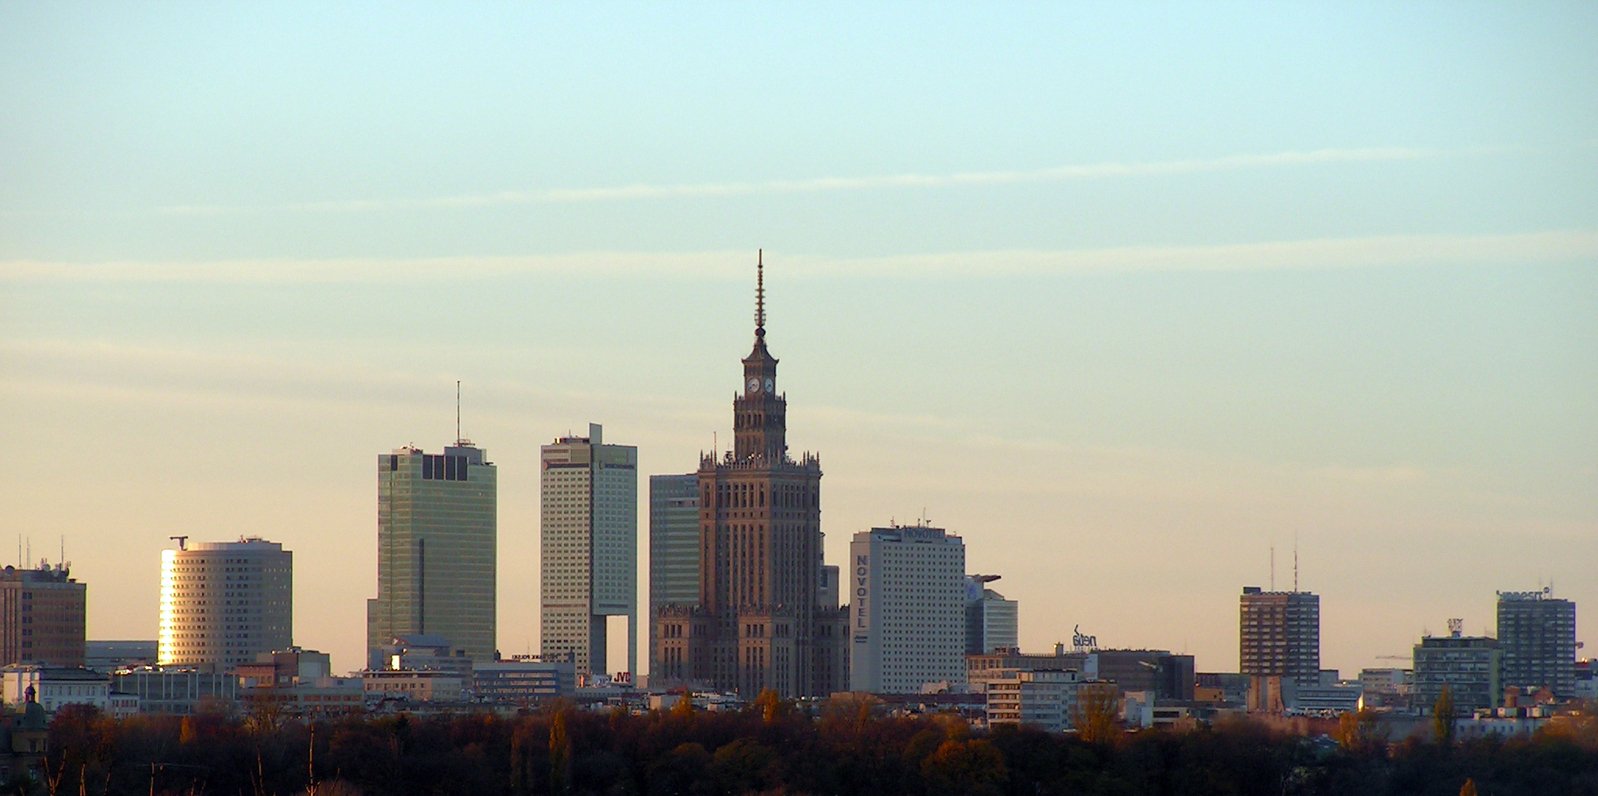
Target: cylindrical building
(224,602)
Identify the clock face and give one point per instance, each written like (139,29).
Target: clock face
(769,385)
(754,385)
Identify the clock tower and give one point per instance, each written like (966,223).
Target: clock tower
(759,413)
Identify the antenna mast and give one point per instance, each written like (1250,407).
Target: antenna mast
(1273,567)
(760,292)
(1295,565)
(457,411)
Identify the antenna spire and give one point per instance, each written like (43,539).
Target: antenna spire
(457,411)
(760,293)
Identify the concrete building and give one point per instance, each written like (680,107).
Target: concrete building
(177,691)
(589,548)
(673,547)
(907,609)
(298,682)
(1279,635)
(1166,675)
(109,656)
(758,622)
(437,520)
(1537,638)
(991,621)
(223,603)
(523,681)
(421,652)
(1468,665)
(42,616)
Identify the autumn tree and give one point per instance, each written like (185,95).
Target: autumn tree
(1097,712)
(1443,715)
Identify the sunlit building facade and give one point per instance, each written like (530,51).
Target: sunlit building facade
(222,603)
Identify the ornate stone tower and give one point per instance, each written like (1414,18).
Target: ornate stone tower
(760,622)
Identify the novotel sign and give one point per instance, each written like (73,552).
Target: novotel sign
(862,569)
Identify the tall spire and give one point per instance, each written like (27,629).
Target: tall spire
(760,293)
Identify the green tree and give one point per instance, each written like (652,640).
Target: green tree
(1443,715)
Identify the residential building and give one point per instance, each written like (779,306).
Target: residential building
(437,519)
(991,621)
(1537,638)
(1047,699)
(673,547)
(1469,666)
(1166,675)
(758,622)
(415,685)
(222,603)
(42,616)
(1279,635)
(907,618)
(589,547)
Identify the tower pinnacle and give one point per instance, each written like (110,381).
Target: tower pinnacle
(760,293)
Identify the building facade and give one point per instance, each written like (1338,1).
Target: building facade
(1468,666)
(673,547)
(907,609)
(1279,635)
(437,519)
(222,603)
(1537,638)
(589,548)
(991,621)
(42,616)
(759,621)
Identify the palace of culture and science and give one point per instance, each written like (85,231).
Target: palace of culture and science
(764,617)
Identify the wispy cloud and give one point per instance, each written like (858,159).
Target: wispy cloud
(649,191)
(1524,248)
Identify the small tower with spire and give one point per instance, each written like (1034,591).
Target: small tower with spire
(759,413)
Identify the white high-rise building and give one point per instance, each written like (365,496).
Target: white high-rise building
(907,620)
(589,548)
(222,603)
(991,621)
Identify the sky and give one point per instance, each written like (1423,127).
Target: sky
(1127,297)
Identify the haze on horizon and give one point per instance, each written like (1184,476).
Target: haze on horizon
(1123,296)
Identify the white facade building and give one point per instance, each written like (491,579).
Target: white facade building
(223,603)
(907,620)
(589,548)
(54,687)
(1044,698)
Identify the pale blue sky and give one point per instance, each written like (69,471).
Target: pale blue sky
(1123,295)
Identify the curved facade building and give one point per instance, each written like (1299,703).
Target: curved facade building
(224,602)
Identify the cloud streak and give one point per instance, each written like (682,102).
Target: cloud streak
(1522,248)
(834,184)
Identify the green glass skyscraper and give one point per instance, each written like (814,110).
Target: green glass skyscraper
(436,540)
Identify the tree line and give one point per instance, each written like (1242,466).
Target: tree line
(769,747)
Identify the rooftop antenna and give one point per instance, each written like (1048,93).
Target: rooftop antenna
(458,438)
(1295,563)
(1273,567)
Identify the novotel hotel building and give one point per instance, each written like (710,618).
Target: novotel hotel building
(906,587)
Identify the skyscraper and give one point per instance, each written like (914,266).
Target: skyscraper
(991,621)
(673,547)
(907,616)
(1279,634)
(1537,637)
(588,548)
(42,616)
(759,622)
(222,603)
(436,544)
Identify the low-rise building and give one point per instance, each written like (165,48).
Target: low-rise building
(414,685)
(524,681)
(1044,698)
(53,687)
(179,691)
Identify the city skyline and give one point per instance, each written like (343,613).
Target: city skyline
(1097,282)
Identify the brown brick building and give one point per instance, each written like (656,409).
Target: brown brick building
(42,616)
